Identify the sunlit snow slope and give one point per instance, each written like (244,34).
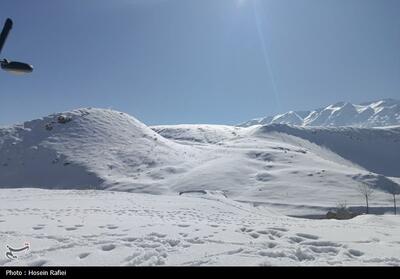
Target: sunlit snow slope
(294,169)
(93,148)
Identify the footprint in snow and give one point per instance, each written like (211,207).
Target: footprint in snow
(355,253)
(173,242)
(296,239)
(236,251)
(195,240)
(254,235)
(112,227)
(108,247)
(246,230)
(322,243)
(308,236)
(83,255)
(279,229)
(183,225)
(38,227)
(325,250)
(130,239)
(271,245)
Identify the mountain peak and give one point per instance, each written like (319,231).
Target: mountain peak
(380,113)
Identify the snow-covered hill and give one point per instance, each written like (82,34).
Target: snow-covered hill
(376,150)
(372,114)
(84,148)
(297,170)
(293,169)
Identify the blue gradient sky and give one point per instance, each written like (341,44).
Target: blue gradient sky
(192,61)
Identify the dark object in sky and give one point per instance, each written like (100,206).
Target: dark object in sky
(12,66)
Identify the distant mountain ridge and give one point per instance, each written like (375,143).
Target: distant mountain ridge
(381,113)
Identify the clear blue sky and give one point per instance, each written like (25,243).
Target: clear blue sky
(198,61)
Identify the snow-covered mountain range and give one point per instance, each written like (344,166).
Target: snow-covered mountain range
(380,113)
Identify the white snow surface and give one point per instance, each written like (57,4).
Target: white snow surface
(372,114)
(97,228)
(101,188)
(298,170)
